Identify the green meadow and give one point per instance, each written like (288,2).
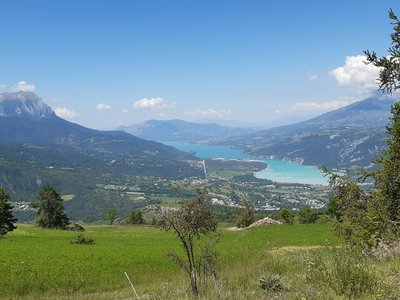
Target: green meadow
(42,264)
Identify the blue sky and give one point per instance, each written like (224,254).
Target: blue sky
(109,63)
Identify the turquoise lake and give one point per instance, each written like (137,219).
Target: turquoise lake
(278,170)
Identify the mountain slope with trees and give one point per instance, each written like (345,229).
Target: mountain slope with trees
(38,147)
(349,136)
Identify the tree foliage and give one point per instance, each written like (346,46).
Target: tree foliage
(387,177)
(246,215)
(136,217)
(307,216)
(111,215)
(287,216)
(7,219)
(374,216)
(195,224)
(50,209)
(352,209)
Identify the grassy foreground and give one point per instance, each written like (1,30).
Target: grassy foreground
(42,264)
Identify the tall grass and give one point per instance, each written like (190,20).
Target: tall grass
(42,264)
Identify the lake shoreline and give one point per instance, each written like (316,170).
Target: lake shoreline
(279,171)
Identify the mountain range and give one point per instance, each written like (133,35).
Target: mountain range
(182,131)
(37,147)
(343,138)
(346,137)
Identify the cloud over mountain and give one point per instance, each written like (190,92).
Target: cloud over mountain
(66,113)
(24,87)
(152,103)
(355,73)
(211,112)
(318,107)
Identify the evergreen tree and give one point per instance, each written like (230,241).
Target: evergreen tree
(367,218)
(111,215)
(7,219)
(387,177)
(136,217)
(50,209)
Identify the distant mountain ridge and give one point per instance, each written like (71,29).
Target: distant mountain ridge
(37,146)
(25,118)
(345,137)
(181,131)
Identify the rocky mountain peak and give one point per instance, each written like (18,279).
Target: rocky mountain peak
(24,105)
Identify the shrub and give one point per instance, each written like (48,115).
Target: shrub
(271,283)
(75,227)
(345,271)
(83,240)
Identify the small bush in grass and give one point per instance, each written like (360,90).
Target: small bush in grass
(271,283)
(83,240)
(345,270)
(75,227)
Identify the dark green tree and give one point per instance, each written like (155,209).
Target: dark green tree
(246,215)
(388,176)
(307,216)
(7,219)
(367,218)
(287,216)
(354,210)
(111,215)
(136,217)
(195,224)
(50,209)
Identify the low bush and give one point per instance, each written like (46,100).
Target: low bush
(83,240)
(344,270)
(271,283)
(75,227)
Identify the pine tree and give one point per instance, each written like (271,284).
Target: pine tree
(388,176)
(7,219)
(50,209)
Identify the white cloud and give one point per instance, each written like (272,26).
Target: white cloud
(355,73)
(310,107)
(312,76)
(124,110)
(24,86)
(152,103)
(66,113)
(3,86)
(103,106)
(209,113)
